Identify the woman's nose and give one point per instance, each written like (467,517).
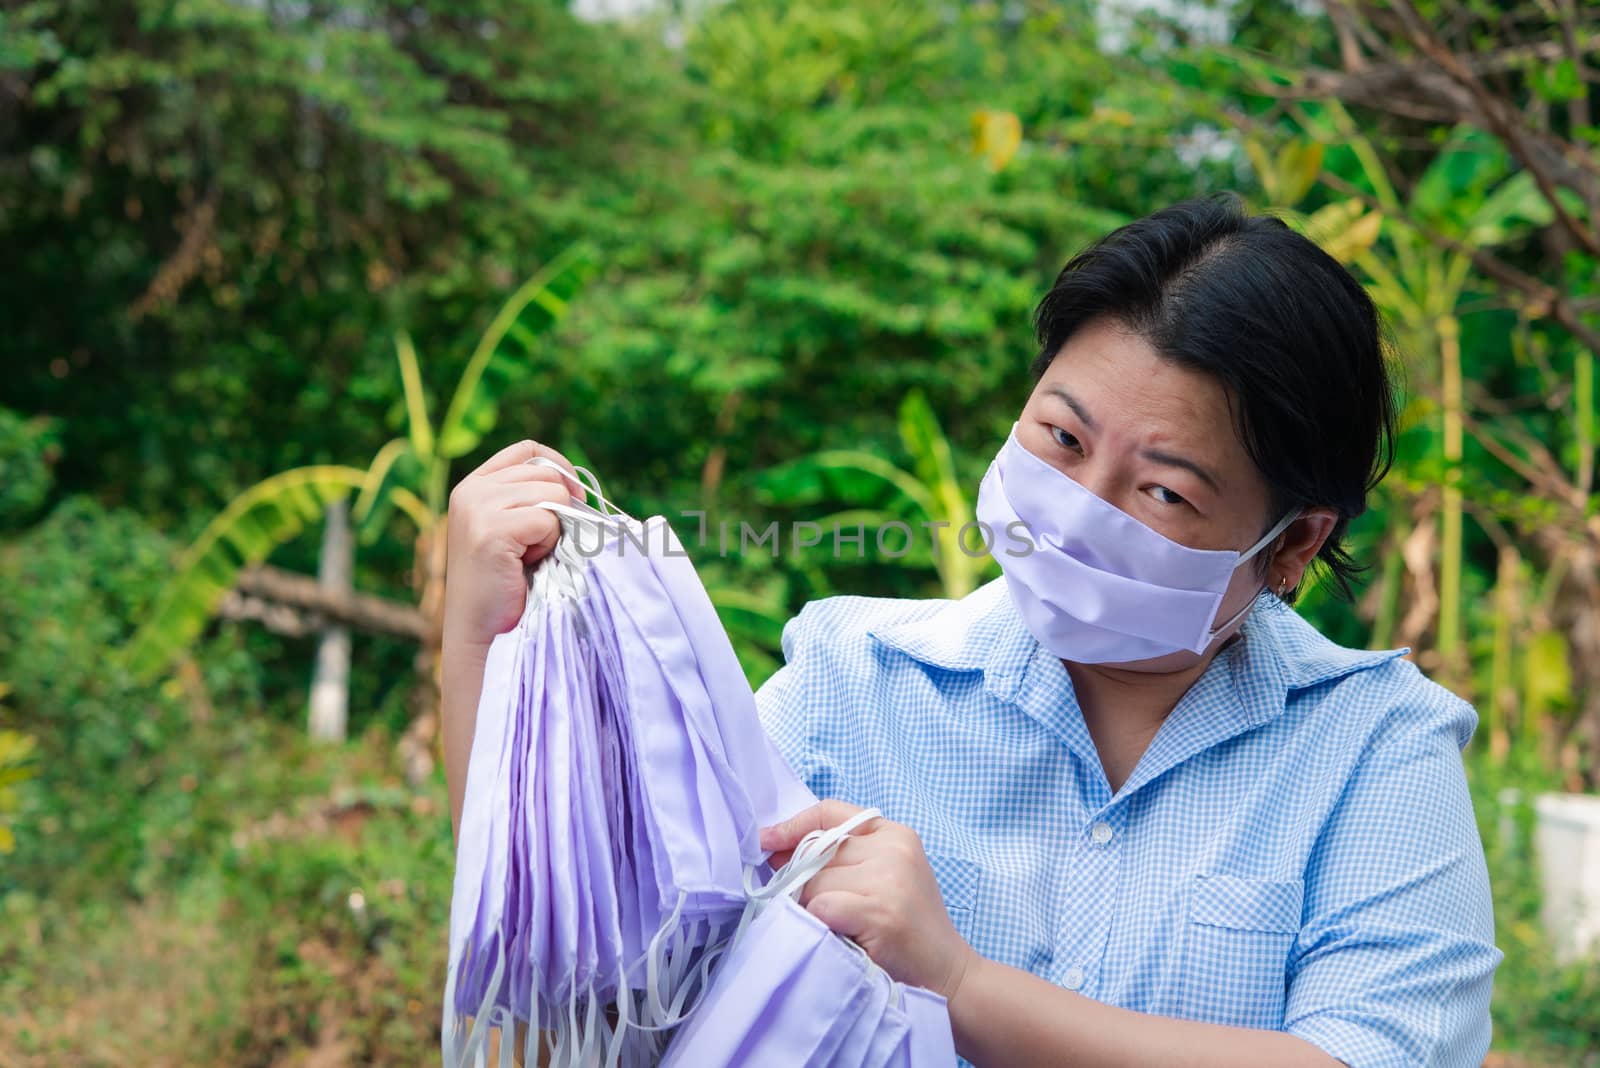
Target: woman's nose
(1101,479)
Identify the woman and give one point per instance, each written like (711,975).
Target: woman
(1136,810)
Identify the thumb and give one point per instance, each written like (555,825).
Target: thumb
(783,837)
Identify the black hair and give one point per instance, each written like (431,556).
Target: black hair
(1292,337)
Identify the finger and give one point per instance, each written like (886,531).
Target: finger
(540,449)
(519,452)
(852,851)
(819,817)
(526,472)
(855,879)
(842,911)
(845,856)
(524,495)
(535,529)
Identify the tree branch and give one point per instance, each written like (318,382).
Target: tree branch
(1509,130)
(283,600)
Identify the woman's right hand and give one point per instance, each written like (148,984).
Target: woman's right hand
(495,528)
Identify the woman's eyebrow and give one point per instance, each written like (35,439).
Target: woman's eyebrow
(1077,409)
(1169,460)
(1166,459)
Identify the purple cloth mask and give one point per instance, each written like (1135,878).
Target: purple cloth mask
(1092,583)
(617,780)
(791,994)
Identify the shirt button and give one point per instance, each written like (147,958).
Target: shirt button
(1101,833)
(1073,979)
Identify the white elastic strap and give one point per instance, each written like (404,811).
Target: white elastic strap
(590,482)
(588,1051)
(556,576)
(656,1009)
(535,1043)
(1234,618)
(591,486)
(508,1040)
(677,1012)
(624,1001)
(1282,525)
(815,852)
(480,1019)
(571,549)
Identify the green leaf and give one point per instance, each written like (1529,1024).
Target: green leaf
(1457,180)
(849,475)
(394,467)
(1558,82)
(1344,229)
(750,616)
(1262,164)
(503,354)
(1288,177)
(996,136)
(418,428)
(1298,165)
(1547,674)
(1515,207)
(253,524)
(924,440)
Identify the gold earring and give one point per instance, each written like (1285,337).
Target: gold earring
(1283,585)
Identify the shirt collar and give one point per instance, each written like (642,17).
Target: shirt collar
(1248,684)
(1278,652)
(962,635)
(983,632)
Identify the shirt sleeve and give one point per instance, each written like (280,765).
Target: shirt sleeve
(1395,959)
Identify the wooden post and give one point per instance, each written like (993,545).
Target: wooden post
(330,682)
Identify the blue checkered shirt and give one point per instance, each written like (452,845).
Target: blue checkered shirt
(1295,851)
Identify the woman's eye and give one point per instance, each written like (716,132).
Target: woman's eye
(1166,496)
(1066,440)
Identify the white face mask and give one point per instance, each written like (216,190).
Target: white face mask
(1092,583)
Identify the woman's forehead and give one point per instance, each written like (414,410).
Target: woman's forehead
(1117,385)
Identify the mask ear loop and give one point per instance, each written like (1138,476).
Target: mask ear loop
(1267,538)
(587,486)
(1271,535)
(592,483)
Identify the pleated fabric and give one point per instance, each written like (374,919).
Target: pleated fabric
(611,898)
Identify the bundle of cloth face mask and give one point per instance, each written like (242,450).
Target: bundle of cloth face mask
(611,898)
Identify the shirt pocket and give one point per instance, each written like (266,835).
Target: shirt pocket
(1236,950)
(958,880)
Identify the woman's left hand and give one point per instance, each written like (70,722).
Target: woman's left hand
(880,892)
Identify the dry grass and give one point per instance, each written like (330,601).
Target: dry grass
(147,987)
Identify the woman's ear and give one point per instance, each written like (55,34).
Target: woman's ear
(1298,545)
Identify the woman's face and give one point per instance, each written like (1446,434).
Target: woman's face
(1156,440)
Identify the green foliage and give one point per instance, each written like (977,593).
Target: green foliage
(16,751)
(225,209)
(929,499)
(117,804)
(278,508)
(27,447)
(1541,1006)
(316,918)
(244,533)
(347,912)
(836,238)
(504,354)
(1288,176)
